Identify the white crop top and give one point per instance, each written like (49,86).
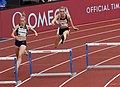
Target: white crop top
(22,31)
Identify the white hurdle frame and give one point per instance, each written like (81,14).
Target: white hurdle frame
(16,82)
(100,66)
(71,73)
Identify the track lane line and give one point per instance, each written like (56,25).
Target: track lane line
(76,38)
(86,69)
(51,45)
(77,26)
(68,61)
(71,33)
(110,81)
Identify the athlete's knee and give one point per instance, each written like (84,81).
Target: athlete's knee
(62,37)
(20,55)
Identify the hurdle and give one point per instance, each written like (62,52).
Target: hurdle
(71,73)
(16,82)
(99,66)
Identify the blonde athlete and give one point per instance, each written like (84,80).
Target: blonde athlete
(63,31)
(21,31)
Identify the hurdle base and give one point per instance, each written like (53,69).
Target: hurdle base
(103,66)
(53,74)
(18,82)
(73,74)
(10,82)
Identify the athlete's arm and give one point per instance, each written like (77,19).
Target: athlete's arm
(33,30)
(55,19)
(70,20)
(14,30)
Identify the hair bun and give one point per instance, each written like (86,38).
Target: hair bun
(23,13)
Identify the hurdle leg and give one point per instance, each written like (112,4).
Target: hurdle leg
(87,64)
(15,69)
(30,60)
(71,62)
(16,72)
(71,65)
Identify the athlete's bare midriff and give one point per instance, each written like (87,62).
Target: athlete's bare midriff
(63,27)
(21,38)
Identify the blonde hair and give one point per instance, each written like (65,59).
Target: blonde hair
(23,17)
(62,7)
(66,9)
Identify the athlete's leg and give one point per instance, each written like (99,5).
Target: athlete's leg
(57,40)
(21,52)
(58,37)
(26,52)
(17,51)
(64,36)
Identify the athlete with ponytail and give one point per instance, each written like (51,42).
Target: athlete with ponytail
(63,19)
(20,36)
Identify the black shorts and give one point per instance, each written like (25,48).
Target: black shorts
(61,30)
(19,43)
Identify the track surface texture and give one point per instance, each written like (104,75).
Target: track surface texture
(103,31)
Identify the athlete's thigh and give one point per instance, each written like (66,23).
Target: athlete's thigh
(16,50)
(22,49)
(66,32)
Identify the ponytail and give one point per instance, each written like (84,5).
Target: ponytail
(23,16)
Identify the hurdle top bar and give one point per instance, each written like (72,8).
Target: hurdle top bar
(103,44)
(50,51)
(7,58)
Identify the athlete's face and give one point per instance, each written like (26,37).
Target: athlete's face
(62,12)
(22,21)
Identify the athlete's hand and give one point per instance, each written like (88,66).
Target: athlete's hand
(36,34)
(76,28)
(16,37)
(53,23)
